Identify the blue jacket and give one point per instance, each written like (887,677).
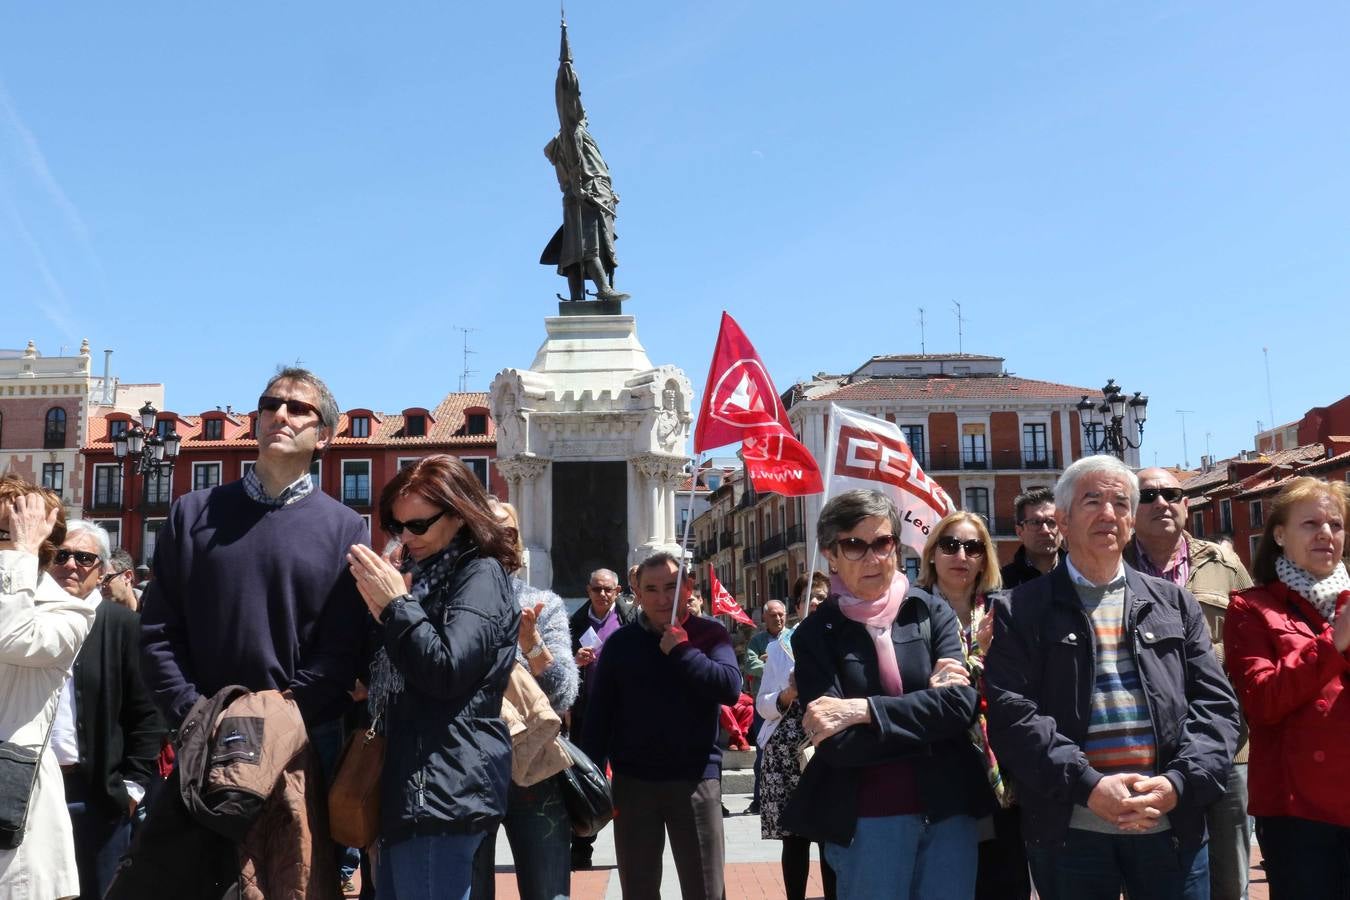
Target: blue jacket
(1039,676)
(835,656)
(448,756)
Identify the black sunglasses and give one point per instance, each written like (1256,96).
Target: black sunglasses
(416,526)
(856,548)
(1170,494)
(949,545)
(268,403)
(82,559)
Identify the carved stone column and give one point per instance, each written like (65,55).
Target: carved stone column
(529,494)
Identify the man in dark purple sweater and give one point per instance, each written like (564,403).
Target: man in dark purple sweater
(652,715)
(251,585)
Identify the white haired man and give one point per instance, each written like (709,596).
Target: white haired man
(1108,708)
(107,733)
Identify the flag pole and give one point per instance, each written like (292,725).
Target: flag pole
(684,538)
(825,472)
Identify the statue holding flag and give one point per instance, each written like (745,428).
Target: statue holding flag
(583,247)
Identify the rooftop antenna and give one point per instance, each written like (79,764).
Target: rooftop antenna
(960,349)
(1270,404)
(1185,453)
(464,375)
(923,351)
(1208,452)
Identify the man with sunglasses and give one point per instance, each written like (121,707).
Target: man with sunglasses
(107,732)
(1162,548)
(1042,546)
(1108,709)
(251,584)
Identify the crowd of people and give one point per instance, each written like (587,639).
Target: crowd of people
(1119,708)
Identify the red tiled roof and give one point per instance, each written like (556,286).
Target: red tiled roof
(446,424)
(960,387)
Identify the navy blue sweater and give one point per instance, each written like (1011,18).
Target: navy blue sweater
(654,716)
(253,595)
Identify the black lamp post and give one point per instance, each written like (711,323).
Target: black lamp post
(1104,428)
(141,445)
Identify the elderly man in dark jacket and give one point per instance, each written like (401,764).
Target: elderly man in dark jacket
(1108,709)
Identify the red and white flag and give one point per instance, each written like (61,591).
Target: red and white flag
(723,604)
(871,453)
(740,403)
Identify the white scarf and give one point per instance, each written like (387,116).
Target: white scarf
(1320,592)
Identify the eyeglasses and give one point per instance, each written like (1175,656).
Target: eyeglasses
(416,526)
(82,559)
(268,403)
(603,588)
(1170,494)
(1049,524)
(949,545)
(856,548)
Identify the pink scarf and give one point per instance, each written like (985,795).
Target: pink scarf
(877,615)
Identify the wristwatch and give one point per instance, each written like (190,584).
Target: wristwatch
(534,651)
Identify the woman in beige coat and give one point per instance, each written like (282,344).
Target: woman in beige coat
(41,630)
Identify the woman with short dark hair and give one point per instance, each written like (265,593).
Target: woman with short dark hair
(449,623)
(1287,648)
(895,786)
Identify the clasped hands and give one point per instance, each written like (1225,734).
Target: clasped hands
(827,716)
(378,580)
(1133,802)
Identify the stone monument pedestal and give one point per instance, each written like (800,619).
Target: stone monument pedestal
(590,439)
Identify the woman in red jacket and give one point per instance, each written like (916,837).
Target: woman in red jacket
(1286,643)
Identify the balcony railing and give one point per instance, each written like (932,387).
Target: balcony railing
(750,554)
(774,544)
(1000,460)
(726,540)
(796,534)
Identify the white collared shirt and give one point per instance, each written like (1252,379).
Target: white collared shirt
(65,741)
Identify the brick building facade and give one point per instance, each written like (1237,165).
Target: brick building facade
(218,446)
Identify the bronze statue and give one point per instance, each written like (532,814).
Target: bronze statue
(584,246)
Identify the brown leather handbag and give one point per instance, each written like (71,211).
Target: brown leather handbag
(354,798)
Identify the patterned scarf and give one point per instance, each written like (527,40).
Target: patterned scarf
(1320,592)
(428,577)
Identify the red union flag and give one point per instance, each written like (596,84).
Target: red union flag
(871,453)
(740,403)
(723,604)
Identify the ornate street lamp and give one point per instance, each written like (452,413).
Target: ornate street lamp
(1104,428)
(141,445)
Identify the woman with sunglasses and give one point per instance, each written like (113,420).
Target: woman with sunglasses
(448,624)
(959,566)
(536,824)
(894,787)
(1287,644)
(41,631)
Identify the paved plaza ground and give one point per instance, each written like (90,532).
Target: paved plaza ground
(752,866)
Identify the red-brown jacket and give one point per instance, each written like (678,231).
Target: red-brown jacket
(1290,678)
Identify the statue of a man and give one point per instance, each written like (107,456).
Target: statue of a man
(584,246)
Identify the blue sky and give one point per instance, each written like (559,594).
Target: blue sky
(1146,191)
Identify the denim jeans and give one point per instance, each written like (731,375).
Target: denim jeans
(431,867)
(907,857)
(1230,844)
(540,833)
(1305,860)
(1091,866)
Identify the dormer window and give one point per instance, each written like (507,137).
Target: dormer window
(360,426)
(163,427)
(415,425)
(475,423)
(116,427)
(213,430)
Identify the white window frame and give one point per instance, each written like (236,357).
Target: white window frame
(1253,541)
(145,487)
(246,466)
(1198,523)
(1225,513)
(370,484)
(406,460)
(57,469)
(148,558)
(1256,514)
(316,477)
(351,427)
(1042,419)
(114,529)
(487,468)
(116,467)
(220,471)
